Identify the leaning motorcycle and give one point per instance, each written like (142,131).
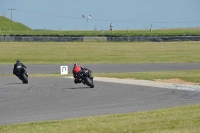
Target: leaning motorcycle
(22,74)
(86,78)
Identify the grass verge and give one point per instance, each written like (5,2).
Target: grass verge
(187,75)
(173,120)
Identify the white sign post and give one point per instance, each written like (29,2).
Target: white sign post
(63,70)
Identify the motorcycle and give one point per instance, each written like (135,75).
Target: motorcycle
(86,78)
(22,74)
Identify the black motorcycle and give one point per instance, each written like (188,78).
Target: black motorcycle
(86,78)
(22,75)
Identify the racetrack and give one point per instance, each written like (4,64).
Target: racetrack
(59,98)
(99,68)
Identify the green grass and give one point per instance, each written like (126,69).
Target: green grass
(116,33)
(173,120)
(187,75)
(167,32)
(99,52)
(9,26)
(43,32)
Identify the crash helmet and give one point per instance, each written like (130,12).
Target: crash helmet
(18,60)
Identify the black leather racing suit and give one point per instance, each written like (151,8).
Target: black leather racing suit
(17,66)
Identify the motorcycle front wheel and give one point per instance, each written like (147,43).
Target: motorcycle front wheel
(25,78)
(89,82)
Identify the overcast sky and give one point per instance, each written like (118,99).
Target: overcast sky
(132,14)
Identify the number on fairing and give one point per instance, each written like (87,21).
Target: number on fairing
(19,66)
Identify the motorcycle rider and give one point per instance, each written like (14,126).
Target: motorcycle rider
(77,69)
(17,66)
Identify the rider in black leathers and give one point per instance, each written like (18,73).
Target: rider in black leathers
(18,65)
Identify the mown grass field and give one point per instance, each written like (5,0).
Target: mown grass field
(173,120)
(99,52)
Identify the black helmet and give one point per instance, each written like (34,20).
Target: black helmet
(18,60)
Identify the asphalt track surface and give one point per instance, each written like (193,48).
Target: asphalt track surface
(99,68)
(59,98)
